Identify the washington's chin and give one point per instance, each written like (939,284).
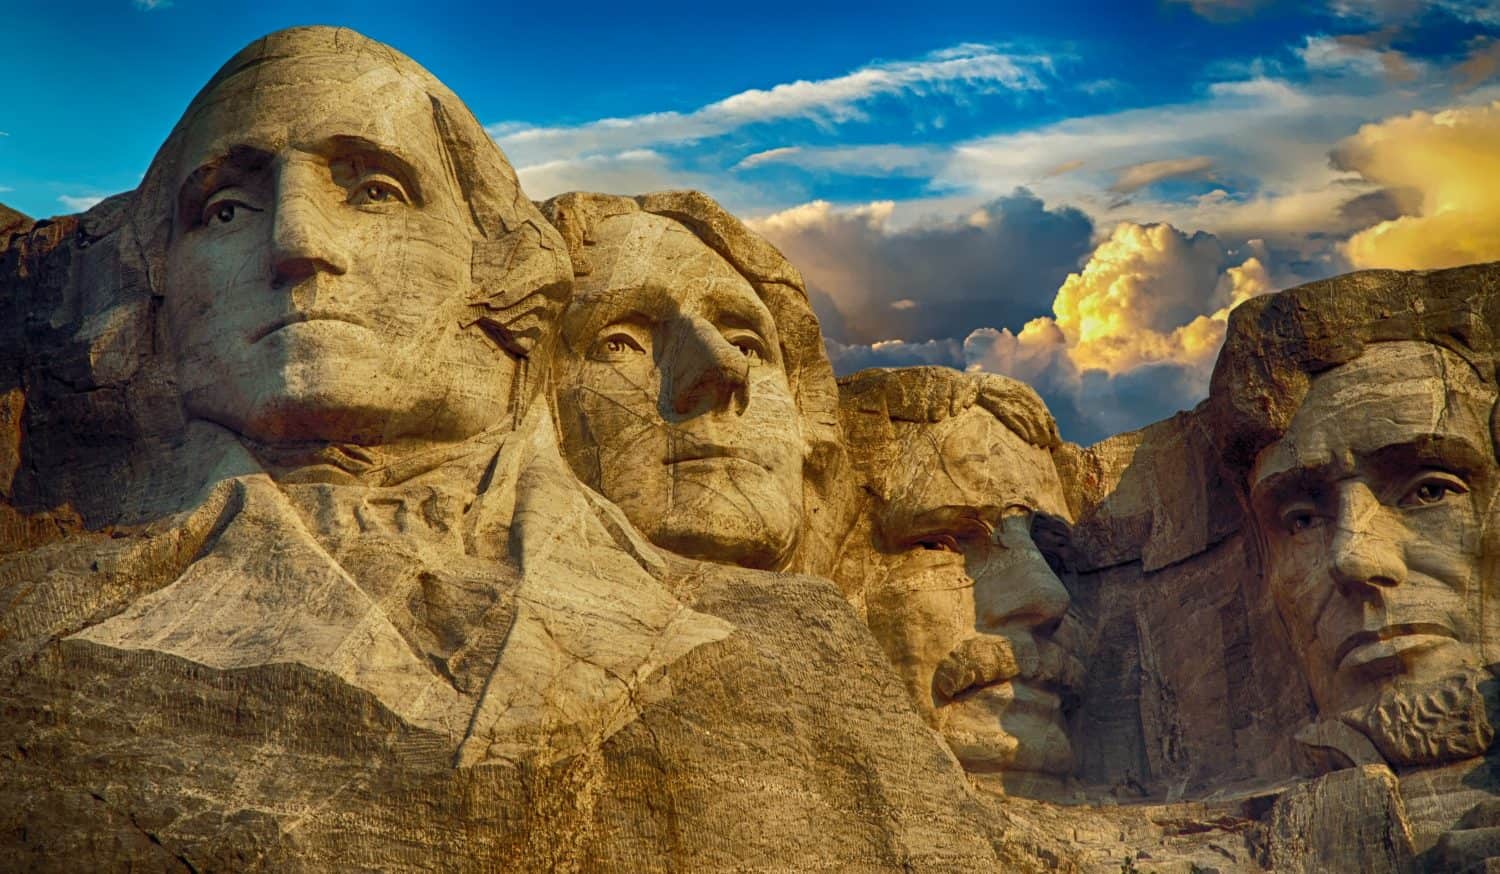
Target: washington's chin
(1008,729)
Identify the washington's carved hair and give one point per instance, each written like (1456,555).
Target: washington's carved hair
(1277,344)
(520,279)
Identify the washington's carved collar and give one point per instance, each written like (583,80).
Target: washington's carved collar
(376,466)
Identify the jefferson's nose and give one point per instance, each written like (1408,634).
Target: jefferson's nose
(1361,553)
(303,238)
(1017,587)
(704,372)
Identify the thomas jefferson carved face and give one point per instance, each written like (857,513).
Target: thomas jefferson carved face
(674,396)
(1373,508)
(964,602)
(319,264)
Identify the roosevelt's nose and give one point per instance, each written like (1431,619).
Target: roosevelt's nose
(303,236)
(1017,587)
(704,371)
(1362,553)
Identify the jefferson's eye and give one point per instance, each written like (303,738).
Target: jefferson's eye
(939,543)
(225,213)
(1431,491)
(617,344)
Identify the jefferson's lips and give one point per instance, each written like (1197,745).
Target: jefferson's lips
(306,316)
(1364,647)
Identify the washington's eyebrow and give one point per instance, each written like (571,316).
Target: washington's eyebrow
(386,157)
(211,175)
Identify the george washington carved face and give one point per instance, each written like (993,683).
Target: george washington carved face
(318,269)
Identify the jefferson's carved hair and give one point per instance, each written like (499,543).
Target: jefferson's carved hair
(1277,344)
(780,287)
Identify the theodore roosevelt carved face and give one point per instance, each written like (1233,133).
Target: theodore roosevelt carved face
(957,589)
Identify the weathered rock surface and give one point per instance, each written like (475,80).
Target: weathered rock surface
(358,513)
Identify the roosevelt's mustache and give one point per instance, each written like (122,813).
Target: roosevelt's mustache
(987,659)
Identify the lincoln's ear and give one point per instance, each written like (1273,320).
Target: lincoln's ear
(522,282)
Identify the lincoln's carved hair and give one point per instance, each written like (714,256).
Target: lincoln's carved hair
(780,287)
(520,279)
(1277,344)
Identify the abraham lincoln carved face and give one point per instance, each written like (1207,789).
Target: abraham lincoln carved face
(1372,508)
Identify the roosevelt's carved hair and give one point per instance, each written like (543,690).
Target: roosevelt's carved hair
(932,394)
(1277,343)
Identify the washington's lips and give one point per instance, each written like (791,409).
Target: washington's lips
(1367,647)
(306,316)
(687,452)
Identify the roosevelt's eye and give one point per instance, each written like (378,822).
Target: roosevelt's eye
(377,189)
(750,346)
(938,543)
(1432,490)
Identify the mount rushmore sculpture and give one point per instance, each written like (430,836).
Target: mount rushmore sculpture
(357,512)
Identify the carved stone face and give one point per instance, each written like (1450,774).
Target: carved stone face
(674,396)
(963,601)
(319,263)
(1373,508)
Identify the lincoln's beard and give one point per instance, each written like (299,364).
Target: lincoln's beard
(1442,721)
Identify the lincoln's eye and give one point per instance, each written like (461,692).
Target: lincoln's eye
(1300,521)
(377,193)
(225,213)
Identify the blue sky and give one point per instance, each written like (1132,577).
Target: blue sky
(1068,192)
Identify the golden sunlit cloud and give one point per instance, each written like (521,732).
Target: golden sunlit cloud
(1149,294)
(1452,159)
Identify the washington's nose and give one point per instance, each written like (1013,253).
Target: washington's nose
(302,239)
(706,372)
(1019,587)
(1360,553)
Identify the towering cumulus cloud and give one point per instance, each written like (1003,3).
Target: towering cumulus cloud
(1451,160)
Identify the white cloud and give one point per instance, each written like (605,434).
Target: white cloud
(873,160)
(1138,176)
(1451,160)
(5,188)
(78,203)
(1396,11)
(149,5)
(965,69)
(629,172)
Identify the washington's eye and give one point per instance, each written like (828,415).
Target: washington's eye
(223,210)
(377,190)
(939,543)
(1433,490)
